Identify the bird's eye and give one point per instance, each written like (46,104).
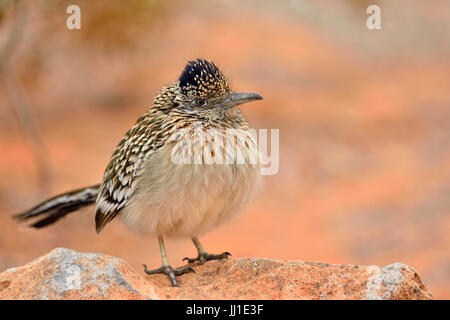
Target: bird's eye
(200,102)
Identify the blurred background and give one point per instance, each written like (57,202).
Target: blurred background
(364,120)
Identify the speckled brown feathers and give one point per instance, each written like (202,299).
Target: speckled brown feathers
(188,165)
(203,79)
(147,135)
(173,108)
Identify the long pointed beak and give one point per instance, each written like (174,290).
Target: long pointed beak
(243,97)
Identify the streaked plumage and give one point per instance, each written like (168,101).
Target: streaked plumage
(155,195)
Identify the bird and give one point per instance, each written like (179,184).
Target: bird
(188,165)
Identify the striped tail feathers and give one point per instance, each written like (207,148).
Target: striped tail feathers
(60,206)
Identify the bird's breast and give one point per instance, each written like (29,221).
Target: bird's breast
(195,182)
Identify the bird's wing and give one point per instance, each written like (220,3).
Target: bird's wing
(126,164)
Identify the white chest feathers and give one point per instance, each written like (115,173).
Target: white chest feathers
(194,183)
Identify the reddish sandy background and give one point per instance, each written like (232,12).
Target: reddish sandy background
(364,120)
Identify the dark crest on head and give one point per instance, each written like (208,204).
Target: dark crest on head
(202,78)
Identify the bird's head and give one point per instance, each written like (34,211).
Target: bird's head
(204,90)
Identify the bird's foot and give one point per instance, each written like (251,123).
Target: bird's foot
(203,257)
(170,272)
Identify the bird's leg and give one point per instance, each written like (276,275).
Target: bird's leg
(166,268)
(204,256)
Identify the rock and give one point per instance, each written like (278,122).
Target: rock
(68,274)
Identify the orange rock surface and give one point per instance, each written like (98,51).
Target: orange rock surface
(68,274)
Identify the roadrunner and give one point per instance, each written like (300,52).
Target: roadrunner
(188,165)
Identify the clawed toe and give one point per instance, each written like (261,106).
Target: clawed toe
(203,257)
(170,272)
(191,260)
